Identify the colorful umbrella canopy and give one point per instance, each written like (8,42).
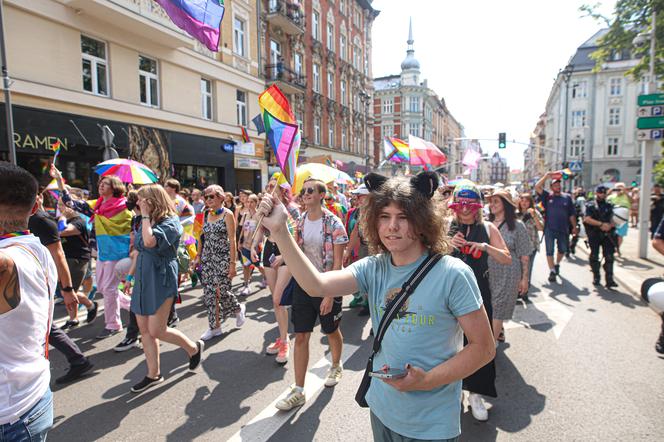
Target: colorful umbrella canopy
(319,171)
(129,171)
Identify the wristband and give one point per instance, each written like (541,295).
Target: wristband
(67,289)
(129,278)
(62,225)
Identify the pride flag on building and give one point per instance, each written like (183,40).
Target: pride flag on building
(199,18)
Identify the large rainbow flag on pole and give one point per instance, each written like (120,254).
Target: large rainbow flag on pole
(282,130)
(199,18)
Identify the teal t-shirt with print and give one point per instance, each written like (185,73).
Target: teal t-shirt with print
(424,334)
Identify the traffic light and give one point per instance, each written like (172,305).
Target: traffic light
(502,140)
(634,183)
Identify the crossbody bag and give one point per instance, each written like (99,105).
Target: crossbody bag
(391,312)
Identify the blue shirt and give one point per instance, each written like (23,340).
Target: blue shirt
(558,210)
(425,334)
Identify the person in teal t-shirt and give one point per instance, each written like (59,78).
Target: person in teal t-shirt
(403,222)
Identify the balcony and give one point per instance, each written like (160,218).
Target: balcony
(285,15)
(289,81)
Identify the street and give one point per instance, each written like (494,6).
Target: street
(578,364)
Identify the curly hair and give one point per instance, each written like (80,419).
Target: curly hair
(425,216)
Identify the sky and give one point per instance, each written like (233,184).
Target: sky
(493,61)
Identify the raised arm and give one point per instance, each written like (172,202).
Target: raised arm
(539,186)
(313,282)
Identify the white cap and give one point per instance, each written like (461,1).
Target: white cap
(361,190)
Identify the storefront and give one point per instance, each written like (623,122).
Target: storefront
(188,157)
(250,171)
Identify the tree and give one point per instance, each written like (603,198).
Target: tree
(630,17)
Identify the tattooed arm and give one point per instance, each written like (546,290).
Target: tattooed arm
(10,293)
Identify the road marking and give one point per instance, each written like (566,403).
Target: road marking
(545,312)
(268,421)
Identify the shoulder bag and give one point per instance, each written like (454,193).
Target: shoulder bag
(390,313)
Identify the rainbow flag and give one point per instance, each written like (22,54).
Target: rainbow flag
(199,18)
(284,138)
(56,147)
(396,150)
(245,136)
(272,100)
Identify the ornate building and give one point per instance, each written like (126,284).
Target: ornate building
(319,54)
(404,105)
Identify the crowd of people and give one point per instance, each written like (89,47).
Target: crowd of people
(136,248)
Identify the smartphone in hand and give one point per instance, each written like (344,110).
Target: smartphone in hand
(272,258)
(390,373)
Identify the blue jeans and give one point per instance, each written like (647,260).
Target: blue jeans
(551,237)
(33,425)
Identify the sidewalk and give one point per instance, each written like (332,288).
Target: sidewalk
(630,270)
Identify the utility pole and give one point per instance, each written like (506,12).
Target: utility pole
(6,83)
(647,148)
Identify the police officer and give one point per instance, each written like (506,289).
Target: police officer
(580,208)
(601,232)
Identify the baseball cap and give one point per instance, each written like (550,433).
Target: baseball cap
(601,189)
(361,190)
(556,180)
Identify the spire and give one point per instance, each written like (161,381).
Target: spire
(410,62)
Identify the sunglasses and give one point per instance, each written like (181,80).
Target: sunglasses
(210,197)
(308,191)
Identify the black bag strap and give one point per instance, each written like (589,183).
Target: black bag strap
(407,289)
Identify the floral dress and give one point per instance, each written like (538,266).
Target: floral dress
(215,264)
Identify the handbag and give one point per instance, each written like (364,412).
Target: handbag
(391,312)
(287,294)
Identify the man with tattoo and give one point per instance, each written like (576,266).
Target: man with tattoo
(27,283)
(44,227)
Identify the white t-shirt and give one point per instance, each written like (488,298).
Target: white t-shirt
(24,371)
(312,236)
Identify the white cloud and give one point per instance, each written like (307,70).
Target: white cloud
(494,61)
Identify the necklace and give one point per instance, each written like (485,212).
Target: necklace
(14,234)
(219,211)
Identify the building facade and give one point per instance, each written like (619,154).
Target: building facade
(169,101)
(319,54)
(591,118)
(500,171)
(404,105)
(538,159)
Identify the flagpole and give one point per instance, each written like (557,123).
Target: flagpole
(6,82)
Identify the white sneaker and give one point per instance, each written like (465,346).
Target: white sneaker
(211,333)
(245,291)
(477,407)
(334,375)
(294,399)
(240,318)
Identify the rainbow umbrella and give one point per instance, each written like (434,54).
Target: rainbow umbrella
(129,171)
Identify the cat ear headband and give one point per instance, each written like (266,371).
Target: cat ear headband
(425,182)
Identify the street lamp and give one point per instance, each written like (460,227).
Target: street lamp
(366,98)
(567,74)
(647,147)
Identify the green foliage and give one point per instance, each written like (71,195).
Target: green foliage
(658,172)
(630,17)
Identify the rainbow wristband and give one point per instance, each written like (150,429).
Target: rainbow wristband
(129,278)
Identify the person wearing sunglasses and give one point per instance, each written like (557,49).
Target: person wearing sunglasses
(217,258)
(474,242)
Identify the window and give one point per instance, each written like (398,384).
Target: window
(241,106)
(388,130)
(330,85)
(316,78)
(344,139)
(238,36)
(206,98)
(317,130)
(148,81)
(580,89)
(577,147)
(614,116)
(342,47)
(357,57)
(275,52)
(612,147)
(330,133)
(315,25)
(578,118)
(297,63)
(330,37)
(414,129)
(388,106)
(344,97)
(342,6)
(615,87)
(95,73)
(414,104)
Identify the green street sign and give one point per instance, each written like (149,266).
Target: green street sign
(650,123)
(651,99)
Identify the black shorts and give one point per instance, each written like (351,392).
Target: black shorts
(77,271)
(269,249)
(306,309)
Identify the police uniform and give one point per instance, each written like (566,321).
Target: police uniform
(601,210)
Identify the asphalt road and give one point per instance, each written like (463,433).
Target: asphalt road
(579,364)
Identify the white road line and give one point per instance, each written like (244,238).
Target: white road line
(268,421)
